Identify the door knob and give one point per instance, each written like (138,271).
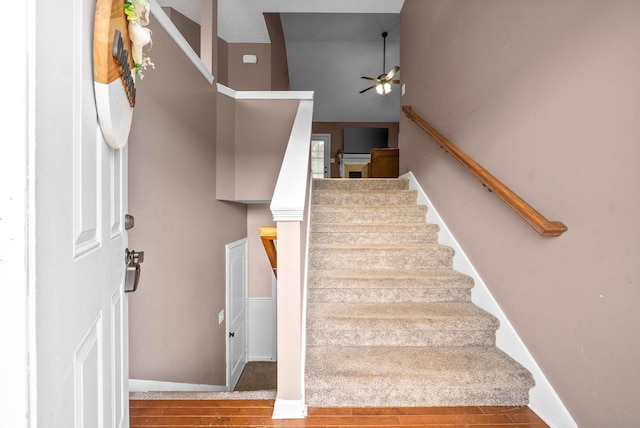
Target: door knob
(129,222)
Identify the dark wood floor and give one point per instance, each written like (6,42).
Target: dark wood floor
(257,413)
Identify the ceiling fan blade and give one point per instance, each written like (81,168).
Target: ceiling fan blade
(395,82)
(369,78)
(370,87)
(393,71)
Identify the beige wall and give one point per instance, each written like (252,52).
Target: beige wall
(189,29)
(208,35)
(252,139)
(225,149)
(263,128)
(336,129)
(223,62)
(546,95)
(249,77)
(183,229)
(279,65)
(260,273)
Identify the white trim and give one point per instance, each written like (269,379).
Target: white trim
(244,242)
(140,385)
(542,398)
(175,34)
(264,95)
(261,329)
(17,241)
(289,409)
(291,188)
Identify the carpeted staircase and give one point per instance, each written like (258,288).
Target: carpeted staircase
(389,322)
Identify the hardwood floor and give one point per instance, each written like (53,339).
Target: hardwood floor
(257,413)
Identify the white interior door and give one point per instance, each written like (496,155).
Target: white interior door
(236,311)
(81,341)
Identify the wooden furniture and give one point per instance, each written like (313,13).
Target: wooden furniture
(385,163)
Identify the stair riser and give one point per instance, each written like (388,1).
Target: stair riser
(389,295)
(400,337)
(439,258)
(365,184)
(374,238)
(420,394)
(378,281)
(379,215)
(379,198)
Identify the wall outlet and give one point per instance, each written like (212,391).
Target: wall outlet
(221,317)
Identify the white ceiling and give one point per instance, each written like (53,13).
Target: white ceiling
(330,44)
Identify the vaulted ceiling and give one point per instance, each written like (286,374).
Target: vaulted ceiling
(330,45)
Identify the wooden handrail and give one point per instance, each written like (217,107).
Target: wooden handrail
(268,235)
(527,212)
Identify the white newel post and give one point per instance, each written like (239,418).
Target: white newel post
(289,399)
(288,208)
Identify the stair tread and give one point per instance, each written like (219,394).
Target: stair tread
(461,367)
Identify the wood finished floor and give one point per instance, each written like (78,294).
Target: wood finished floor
(257,413)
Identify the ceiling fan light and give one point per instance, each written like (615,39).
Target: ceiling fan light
(383,88)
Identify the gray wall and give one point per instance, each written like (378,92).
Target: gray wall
(339,81)
(183,229)
(328,53)
(546,95)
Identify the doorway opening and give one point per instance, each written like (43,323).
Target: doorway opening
(320,155)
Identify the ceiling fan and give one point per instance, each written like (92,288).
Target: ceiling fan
(385,80)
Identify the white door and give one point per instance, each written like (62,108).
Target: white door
(236,311)
(321,155)
(81,344)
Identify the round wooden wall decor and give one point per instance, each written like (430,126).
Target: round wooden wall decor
(113,72)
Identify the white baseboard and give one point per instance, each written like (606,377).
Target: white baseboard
(542,398)
(139,385)
(289,409)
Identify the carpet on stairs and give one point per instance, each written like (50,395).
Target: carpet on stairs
(389,321)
